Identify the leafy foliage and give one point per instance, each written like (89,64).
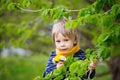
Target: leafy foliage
(73,69)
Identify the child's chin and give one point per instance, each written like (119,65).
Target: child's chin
(63,50)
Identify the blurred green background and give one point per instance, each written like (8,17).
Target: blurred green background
(25,38)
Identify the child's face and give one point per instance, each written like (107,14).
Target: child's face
(63,43)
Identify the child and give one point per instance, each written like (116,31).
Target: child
(66,43)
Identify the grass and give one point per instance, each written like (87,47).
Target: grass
(101,68)
(22,68)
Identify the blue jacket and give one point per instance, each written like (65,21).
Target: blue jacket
(51,66)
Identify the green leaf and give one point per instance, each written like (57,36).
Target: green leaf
(79,67)
(71,24)
(115,10)
(51,12)
(11,6)
(59,12)
(45,12)
(69,61)
(74,67)
(38,78)
(26,3)
(103,52)
(90,54)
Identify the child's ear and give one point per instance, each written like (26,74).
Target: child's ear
(75,42)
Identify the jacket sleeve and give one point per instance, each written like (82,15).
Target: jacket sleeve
(80,54)
(50,65)
(86,76)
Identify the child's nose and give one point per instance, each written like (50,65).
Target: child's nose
(62,44)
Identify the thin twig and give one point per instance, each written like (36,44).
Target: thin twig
(39,10)
(72,10)
(27,10)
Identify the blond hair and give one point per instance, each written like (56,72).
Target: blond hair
(59,27)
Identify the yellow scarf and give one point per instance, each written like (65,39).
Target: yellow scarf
(62,55)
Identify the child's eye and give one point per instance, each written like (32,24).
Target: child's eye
(58,41)
(66,40)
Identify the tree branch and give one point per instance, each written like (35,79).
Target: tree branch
(39,10)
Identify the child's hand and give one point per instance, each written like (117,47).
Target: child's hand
(59,64)
(92,66)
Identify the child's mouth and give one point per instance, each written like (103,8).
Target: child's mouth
(63,49)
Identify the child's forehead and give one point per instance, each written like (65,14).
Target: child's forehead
(61,34)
